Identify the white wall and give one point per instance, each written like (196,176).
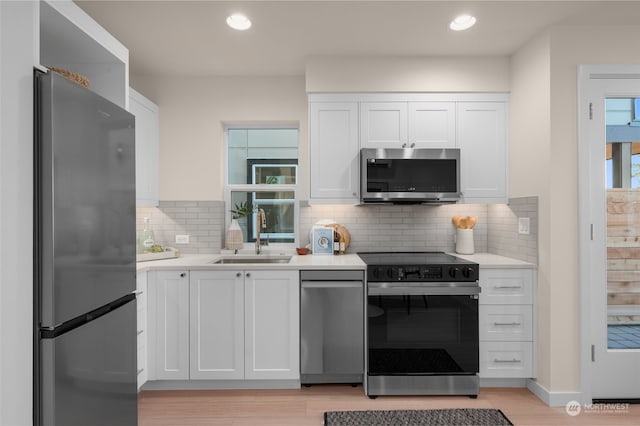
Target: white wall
(570,47)
(193,111)
(404,74)
(529,159)
(544,147)
(16,188)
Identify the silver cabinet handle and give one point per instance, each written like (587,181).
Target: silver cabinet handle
(248,274)
(510,361)
(506,323)
(507,286)
(238,274)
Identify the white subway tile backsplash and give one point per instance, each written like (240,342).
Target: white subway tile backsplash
(203,221)
(372,228)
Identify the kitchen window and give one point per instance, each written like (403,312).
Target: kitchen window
(262,174)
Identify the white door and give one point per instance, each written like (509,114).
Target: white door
(610,226)
(217,325)
(272,330)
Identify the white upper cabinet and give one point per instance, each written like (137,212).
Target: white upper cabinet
(383,124)
(334,152)
(407,125)
(432,125)
(482,139)
(147,140)
(341,124)
(70,39)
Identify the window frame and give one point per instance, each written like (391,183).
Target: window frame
(229,188)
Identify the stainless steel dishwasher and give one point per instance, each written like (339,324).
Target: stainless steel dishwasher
(331,326)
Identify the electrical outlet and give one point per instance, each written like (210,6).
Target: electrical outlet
(523,225)
(182,239)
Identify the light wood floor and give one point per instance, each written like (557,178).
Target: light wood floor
(306,406)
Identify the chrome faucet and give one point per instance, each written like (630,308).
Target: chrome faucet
(261,223)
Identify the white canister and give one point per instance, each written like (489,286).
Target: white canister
(464,241)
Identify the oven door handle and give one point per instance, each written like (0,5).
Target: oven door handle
(381,289)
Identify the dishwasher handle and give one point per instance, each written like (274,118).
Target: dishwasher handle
(332,284)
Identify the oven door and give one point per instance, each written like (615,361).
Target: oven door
(415,330)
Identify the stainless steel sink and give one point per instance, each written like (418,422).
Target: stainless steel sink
(248,260)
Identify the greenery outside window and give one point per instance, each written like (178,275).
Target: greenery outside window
(262,174)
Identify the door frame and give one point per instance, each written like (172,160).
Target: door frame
(585,222)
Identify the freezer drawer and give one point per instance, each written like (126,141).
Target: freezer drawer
(88,375)
(331,331)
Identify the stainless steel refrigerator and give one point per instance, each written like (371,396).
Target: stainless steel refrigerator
(85,356)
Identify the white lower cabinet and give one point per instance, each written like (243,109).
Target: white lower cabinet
(141,327)
(225,325)
(168,307)
(244,325)
(217,325)
(506,323)
(272,325)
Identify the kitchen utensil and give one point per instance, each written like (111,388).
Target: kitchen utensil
(472,221)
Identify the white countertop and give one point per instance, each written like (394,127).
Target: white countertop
(347,261)
(489,260)
(204,261)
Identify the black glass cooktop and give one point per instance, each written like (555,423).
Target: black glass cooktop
(410,258)
(418,267)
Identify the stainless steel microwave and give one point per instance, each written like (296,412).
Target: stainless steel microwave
(410,176)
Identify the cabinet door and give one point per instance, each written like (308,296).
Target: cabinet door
(217,324)
(272,331)
(334,151)
(147,140)
(141,327)
(482,139)
(383,124)
(171,302)
(432,125)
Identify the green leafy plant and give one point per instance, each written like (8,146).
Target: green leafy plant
(241,210)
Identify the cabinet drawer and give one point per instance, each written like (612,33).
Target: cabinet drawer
(506,359)
(506,286)
(505,322)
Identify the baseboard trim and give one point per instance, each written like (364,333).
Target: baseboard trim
(219,384)
(486,382)
(552,399)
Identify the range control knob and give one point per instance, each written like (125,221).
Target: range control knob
(453,272)
(468,272)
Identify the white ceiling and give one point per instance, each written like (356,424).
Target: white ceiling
(191,38)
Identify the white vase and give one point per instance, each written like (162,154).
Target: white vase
(464,241)
(234,238)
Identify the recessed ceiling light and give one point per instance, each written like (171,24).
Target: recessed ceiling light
(462,22)
(239,22)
